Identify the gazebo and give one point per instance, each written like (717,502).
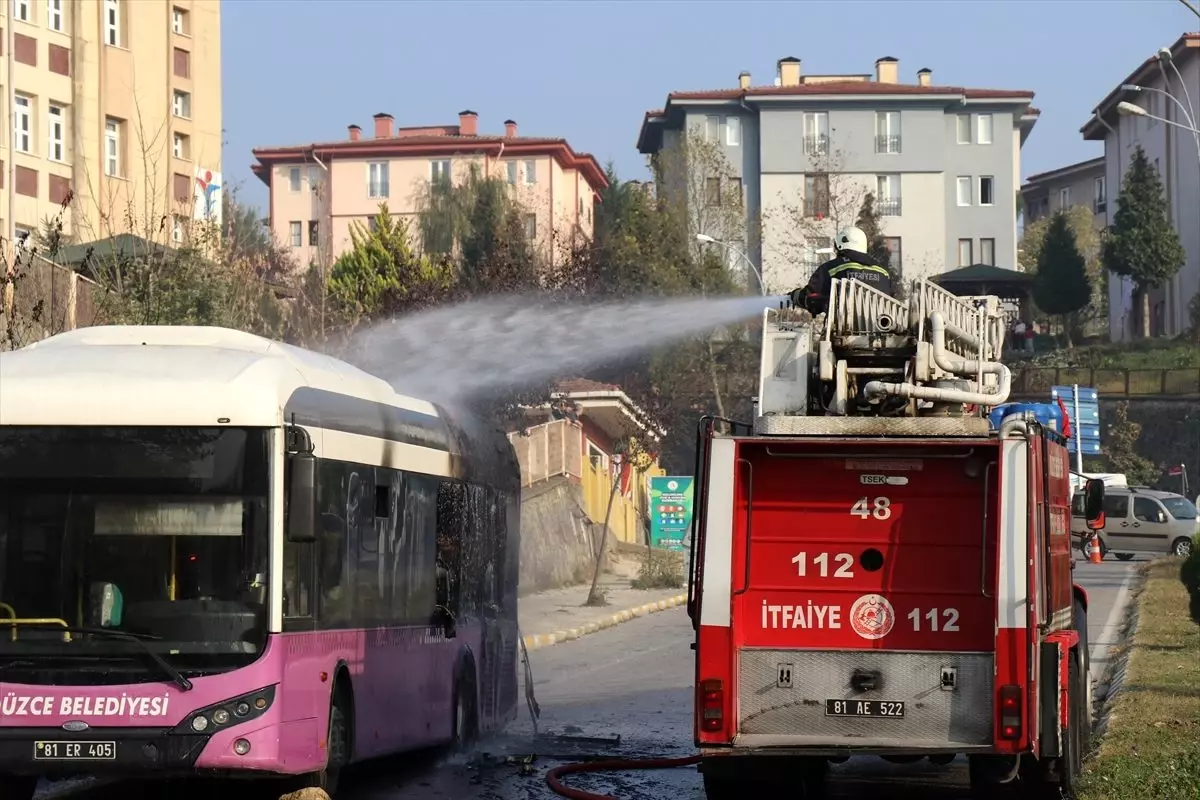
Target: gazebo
(983,279)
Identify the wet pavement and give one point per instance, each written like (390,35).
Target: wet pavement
(635,681)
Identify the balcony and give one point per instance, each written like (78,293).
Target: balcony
(887,143)
(816,144)
(888,207)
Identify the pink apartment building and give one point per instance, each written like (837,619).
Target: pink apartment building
(318,190)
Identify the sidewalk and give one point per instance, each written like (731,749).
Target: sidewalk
(559,615)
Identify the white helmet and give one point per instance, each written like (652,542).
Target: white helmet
(851,239)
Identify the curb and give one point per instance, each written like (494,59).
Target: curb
(539,640)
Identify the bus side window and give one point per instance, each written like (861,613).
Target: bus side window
(451,511)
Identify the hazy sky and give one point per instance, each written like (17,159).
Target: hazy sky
(301,71)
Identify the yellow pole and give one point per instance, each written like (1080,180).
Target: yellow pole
(171,587)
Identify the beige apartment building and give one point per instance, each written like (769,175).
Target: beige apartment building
(318,190)
(1080,184)
(115,104)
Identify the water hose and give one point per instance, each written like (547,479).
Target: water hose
(554,776)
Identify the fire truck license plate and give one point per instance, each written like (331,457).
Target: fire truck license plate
(74,751)
(881,709)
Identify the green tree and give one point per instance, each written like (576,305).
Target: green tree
(382,273)
(1061,285)
(1120,449)
(1142,244)
(1093,319)
(870,221)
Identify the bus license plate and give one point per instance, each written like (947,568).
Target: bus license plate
(74,751)
(869,709)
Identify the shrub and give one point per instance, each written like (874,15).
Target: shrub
(660,569)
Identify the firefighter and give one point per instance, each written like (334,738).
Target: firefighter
(851,261)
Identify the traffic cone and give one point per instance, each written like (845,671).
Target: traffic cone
(1095,555)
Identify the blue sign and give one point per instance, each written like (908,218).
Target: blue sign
(1084,415)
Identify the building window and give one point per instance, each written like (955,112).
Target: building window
(178,222)
(180,23)
(965,255)
(54,15)
(712,128)
(513,170)
(377,179)
(816,195)
(813,246)
(112,147)
(314,178)
(22,122)
(439,171)
(983,129)
(1099,195)
(712,192)
(294,179)
(887,195)
(964,128)
(314,232)
(296,229)
(1064,198)
(987,190)
(530,173)
(531,226)
(964,190)
(21,10)
(987,252)
(183,62)
(181,146)
(181,105)
(56,124)
(735,190)
(887,131)
(895,255)
(112,23)
(816,133)
(733,131)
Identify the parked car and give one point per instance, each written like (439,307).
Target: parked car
(1140,520)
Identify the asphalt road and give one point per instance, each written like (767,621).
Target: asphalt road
(635,681)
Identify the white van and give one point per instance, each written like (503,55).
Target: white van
(1140,520)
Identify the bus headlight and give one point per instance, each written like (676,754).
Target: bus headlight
(236,709)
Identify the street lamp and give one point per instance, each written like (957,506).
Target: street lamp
(704,238)
(1130,110)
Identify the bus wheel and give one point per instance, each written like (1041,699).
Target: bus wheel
(338,748)
(466,717)
(18,787)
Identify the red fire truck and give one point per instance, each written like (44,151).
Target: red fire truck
(882,562)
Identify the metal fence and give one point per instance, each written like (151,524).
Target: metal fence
(1131,383)
(548,450)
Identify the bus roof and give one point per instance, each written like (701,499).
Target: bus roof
(174,375)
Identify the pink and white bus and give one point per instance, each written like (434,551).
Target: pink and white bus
(227,556)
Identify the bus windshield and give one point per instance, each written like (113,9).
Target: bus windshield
(148,537)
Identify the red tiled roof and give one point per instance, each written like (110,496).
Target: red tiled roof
(434,144)
(849,88)
(1186,41)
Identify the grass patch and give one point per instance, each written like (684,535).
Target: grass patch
(1151,750)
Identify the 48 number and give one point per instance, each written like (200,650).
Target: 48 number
(879,508)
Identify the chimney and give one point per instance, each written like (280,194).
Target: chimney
(925,76)
(468,123)
(383,126)
(355,133)
(510,129)
(887,70)
(789,71)
(744,80)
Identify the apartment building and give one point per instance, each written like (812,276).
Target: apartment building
(943,162)
(1081,184)
(318,190)
(115,104)
(1173,152)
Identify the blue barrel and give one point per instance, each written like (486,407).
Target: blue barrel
(1049,415)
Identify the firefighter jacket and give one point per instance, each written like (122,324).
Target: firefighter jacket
(847,264)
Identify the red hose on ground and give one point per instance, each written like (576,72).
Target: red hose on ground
(612,765)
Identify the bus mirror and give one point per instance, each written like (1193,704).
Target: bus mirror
(302,498)
(1093,503)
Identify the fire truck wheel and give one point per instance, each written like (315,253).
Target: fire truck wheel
(1085,680)
(987,774)
(18,787)
(1070,765)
